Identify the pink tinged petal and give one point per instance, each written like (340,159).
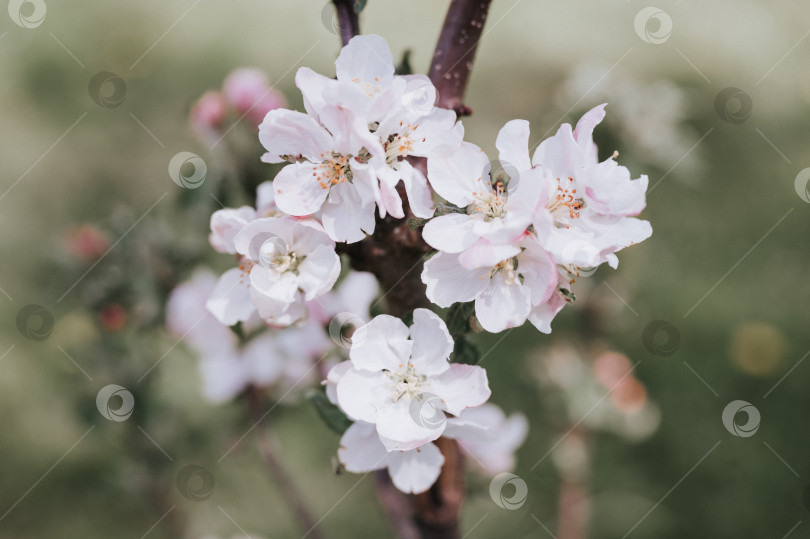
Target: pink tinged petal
(398,428)
(332,379)
(390,202)
(560,155)
(583,133)
(225,224)
(289,133)
(188,319)
(456,174)
(249,240)
(361,394)
(381,344)
(230,301)
(420,197)
(262,361)
(449,282)
(265,199)
(532,190)
(313,86)
(460,387)
(368,59)
(503,305)
(278,287)
(415,471)
(539,272)
(361,450)
(484,254)
(609,189)
(223,377)
(435,131)
(345,217)
(318,272)
(297,191)
(513,145)
(305,236)
(432,344)
(345,118)
(451,233)
(281,315)
(542,315)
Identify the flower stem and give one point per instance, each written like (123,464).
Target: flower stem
(455,51)
(278,474)
(347,19)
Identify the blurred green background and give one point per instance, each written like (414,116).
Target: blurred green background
(726,266)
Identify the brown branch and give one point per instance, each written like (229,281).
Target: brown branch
(347,19)
(396,507)
(455,51)
(278,473)
(437,510)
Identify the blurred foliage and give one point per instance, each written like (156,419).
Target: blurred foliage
(729,230)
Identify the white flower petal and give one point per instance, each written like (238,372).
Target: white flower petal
(230,301)
(484,254)
(225,224)
(361,450)
(399,430)
(502,305)
(366,60)
(415,471)
(460,387)
(513,145)
(297,191)
(318,272)
(449,282)
(345,217)
(456,174)
(381,344)
(451,233)
(432,344)
(361,394)
(289,133)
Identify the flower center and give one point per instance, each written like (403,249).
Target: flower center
(399,145)
(509,269)
(491,203)
(369,88)
(405,382)
(275,255)
(334,169)
(565,201)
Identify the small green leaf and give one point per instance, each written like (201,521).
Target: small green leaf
(458,318)
(404,67)
(359,5)
(334,418)
(408,318)
(465,352)
(416,222)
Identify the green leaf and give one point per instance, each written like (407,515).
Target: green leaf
(404,67)
(416,222)
(465,352)
(359,5)
(408,318)
(334,418)
(458,318)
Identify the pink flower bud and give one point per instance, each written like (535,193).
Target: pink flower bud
(248,91)
(86,242)
(209,111)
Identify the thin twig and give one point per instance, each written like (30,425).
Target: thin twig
(396,507)
(347,19)
(278,473)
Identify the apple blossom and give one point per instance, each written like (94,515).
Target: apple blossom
(284,262)
(399,374)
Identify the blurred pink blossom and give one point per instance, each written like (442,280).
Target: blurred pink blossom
(249,92)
